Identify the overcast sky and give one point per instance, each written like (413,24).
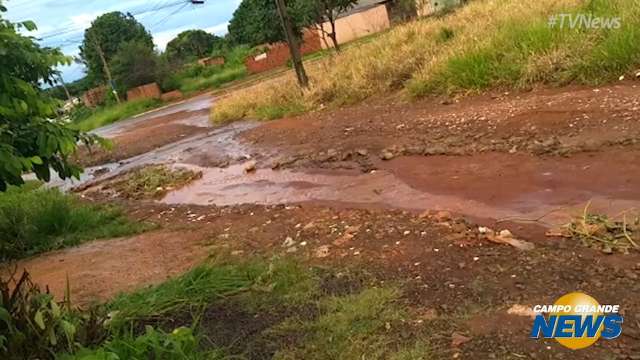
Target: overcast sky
(61,23)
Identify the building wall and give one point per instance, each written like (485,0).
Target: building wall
(278,54)
(145,91)
(357,25)
(94,97)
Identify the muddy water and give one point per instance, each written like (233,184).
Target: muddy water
(497,186)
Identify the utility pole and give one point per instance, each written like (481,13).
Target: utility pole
(107,71)
(294,46)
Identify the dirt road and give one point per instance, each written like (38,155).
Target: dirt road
(348,186)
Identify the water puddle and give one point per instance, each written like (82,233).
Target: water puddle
(548,191)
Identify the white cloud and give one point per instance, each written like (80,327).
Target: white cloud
(84,20)
(220,29)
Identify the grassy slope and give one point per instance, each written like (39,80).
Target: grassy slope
(485,44)
(110,114)
(36,220)
(298,314)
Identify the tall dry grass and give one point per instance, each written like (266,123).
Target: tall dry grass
(488,43)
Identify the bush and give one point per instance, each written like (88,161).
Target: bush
(34,326)
(37,220)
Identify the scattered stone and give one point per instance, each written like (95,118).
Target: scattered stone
(458,339)
(442,216)
(362,152)
(292,249)
(386,155)
(288,242)
(638,74)
(506,237)
(250,166)
(322,251)
(521,310)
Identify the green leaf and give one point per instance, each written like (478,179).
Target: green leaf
(37,160)
(5,316)
(55,309)
(39,319)
(29,25)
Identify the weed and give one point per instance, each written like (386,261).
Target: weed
(34,326)
(35,220)
(605,234)
(153,181)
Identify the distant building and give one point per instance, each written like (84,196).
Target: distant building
(211,61)
(366,18)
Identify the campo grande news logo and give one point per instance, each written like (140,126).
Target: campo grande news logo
(577,321)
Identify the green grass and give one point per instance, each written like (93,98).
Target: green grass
(34,220)
(112,113)
(297,314)
(520,54)
(213,81)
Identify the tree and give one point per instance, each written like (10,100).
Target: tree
(256,22)
(327,11)
(192,44)
(135,64)
(108,33)
(29,139)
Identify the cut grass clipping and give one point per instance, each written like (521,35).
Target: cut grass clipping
(34,220)
(153,182)
(482,45)
(620,234)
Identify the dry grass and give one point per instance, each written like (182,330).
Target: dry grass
(490,43)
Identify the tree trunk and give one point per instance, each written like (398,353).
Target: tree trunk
(333,36)
(294,44)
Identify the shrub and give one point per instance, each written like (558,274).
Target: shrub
(37,220)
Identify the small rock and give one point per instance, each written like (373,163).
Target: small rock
(638,74)
(442,216)
(621,77)
(362,152)
(331,153)
(521,310)
(505,233)
(288,242)
(458,339)
(386,155)
(250,166)
(322,251)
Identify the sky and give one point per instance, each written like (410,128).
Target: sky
(61,23)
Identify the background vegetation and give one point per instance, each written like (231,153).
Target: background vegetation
(35,220)
(485,44)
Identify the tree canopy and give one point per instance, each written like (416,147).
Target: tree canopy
(136,64)
(256,22)
(110,31)
(192,44)
(29,139)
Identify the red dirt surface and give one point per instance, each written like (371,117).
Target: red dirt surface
(541,122)
(450,272)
